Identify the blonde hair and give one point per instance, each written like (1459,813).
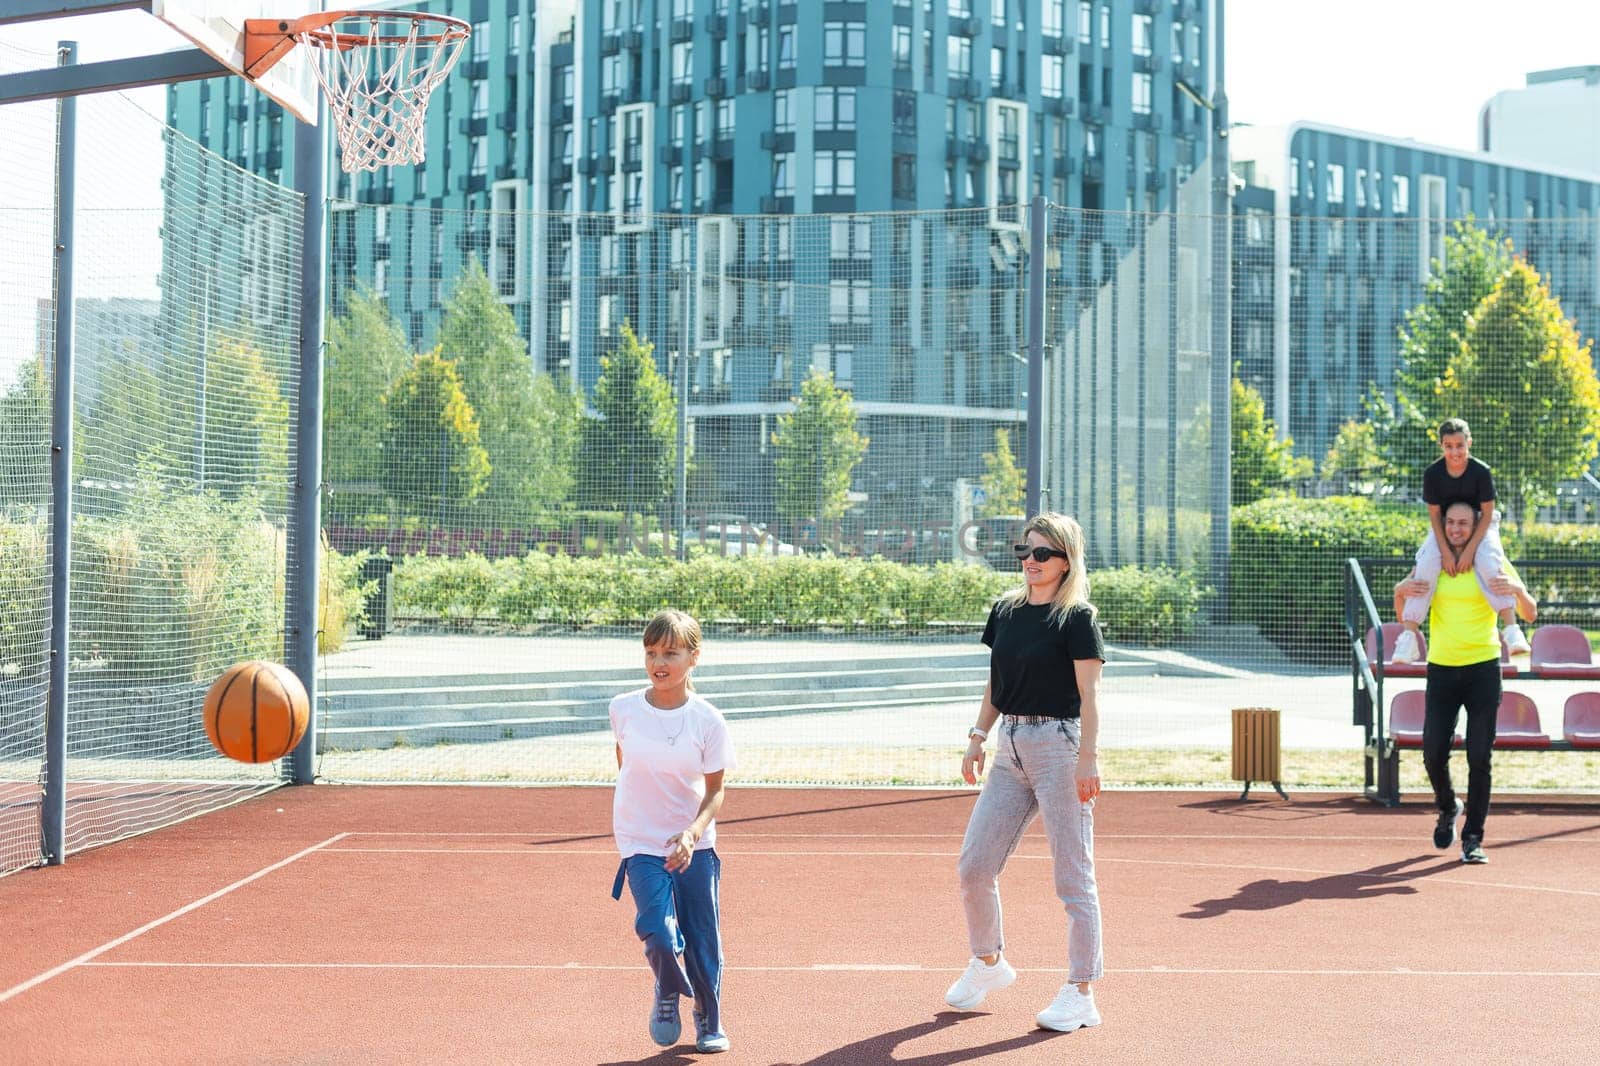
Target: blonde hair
(675,629)
(1064,534)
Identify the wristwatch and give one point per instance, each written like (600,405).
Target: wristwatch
(981,734)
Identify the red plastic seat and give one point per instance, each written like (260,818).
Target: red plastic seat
(1581,720)
(1391,633)
(1517,723)
(1563,651)
(1407,712)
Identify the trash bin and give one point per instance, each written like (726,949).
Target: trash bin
(1256,748)
(380,602)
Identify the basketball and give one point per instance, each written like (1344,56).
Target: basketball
(256,712)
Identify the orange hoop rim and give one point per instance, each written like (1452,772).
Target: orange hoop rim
(320,34)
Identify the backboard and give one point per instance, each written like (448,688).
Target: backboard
(217,27)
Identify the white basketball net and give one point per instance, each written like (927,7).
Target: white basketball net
(377,74)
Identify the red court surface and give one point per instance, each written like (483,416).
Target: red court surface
(460,925)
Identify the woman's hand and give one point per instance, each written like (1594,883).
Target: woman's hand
(1413,587)
(972,761)
(1088,778)
(680,851)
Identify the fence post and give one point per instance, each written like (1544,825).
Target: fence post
(1037,216)
(305,521)
(53,816)
(683,421)
(1221,335)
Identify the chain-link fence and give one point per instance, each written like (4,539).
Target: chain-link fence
(811,433)
(185,366)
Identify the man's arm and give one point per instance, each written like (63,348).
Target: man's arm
(1406,588)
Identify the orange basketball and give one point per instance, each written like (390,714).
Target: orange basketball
(257,712)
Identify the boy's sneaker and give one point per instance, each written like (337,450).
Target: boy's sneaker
(975,984)
(706,1040)
(1444,834)
(1070,1010)
(665,1024)
(1405,648)
(1472,850)
(1516,643)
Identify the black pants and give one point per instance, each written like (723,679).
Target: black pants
(1450,688)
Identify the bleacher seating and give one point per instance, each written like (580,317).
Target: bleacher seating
(1563,651)
(1517,723)
(1580,723)
(1391,633)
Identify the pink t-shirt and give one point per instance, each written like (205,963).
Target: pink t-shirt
(665,757)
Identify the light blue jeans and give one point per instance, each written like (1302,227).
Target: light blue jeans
(1033,773)
(680,914)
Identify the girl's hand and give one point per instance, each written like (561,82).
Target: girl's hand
(680,851)
(972,761)
(1088,778)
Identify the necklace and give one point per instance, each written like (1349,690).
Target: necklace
(673,739)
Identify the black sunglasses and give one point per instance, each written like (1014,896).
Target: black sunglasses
(1040,554)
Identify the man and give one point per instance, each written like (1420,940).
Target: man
(1463,671)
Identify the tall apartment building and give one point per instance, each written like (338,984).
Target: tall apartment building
(839,184)
(1335,236)
(1553,120)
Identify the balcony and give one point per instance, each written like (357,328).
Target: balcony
(967,26)
(1058,46)
(506,120)
(473,127)
(476,69)
(669,153)
(610,43)
(502,171)
(964,87)
(722,148)
(978,151)
(757,80)
(682,91)
(1148,120)
(717,24)
(633,39)
(716,86)
(681,30)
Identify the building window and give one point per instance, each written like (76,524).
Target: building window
(836,108)
(724,120)
(1463,201)
(786,47)
(675,188)
(997,13)
(997,68)
(480,99)
(1141,93)
(1335,183)
(1054,17)
(505,247)
(783,174)
(1144,35)
(1177,44)
(902,47)
(851,239)
(680,126)
(844,44)
(959,55)
(1085,22)
(480,41)
(1361,187)
(478,151)
(905,177)
(682,62)
(960,9)
(1431,205)
(905,111)
(783,111)
(1402,194)
(836,173)
(849,302)
(1105,25)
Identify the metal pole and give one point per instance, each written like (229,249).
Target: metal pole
(305,531)
(1221,330)
(53,818)
(683,422)
(1036,276)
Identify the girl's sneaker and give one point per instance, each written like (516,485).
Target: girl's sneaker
(977,981)
(706,1041)
(1070,1010)
(665,1024)
(1516,643)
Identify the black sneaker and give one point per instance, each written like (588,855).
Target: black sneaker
(1472,850)
(1444,834)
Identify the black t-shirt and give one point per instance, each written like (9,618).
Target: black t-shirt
(1031,660)
(1474,486)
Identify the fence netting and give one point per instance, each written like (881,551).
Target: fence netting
(29,131)
(185,351)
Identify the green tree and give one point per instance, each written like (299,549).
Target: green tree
(1260,463)
(25,435)
(817,448)
(630,443)
(433,457)
(1430,337)
(367,351)
(1354,452)
(1004,483)
(245,432)
(529,429)
(128,420)
(1527,387)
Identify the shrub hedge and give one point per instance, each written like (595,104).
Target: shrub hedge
(1152,606)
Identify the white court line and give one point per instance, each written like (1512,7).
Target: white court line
(739,834)
(88,956)
(853,967)
(1403,877)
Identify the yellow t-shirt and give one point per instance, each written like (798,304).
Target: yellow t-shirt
(1461,623)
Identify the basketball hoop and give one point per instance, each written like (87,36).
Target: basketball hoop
(377,70)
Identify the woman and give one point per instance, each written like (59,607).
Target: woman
(1044,671)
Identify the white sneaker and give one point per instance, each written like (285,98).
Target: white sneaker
(1405,649)
(1070,1010)
(975,984)
(1516,643)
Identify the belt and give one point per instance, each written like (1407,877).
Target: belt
(1040,719)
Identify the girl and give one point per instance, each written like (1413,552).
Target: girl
(1044,670)
(672,749)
